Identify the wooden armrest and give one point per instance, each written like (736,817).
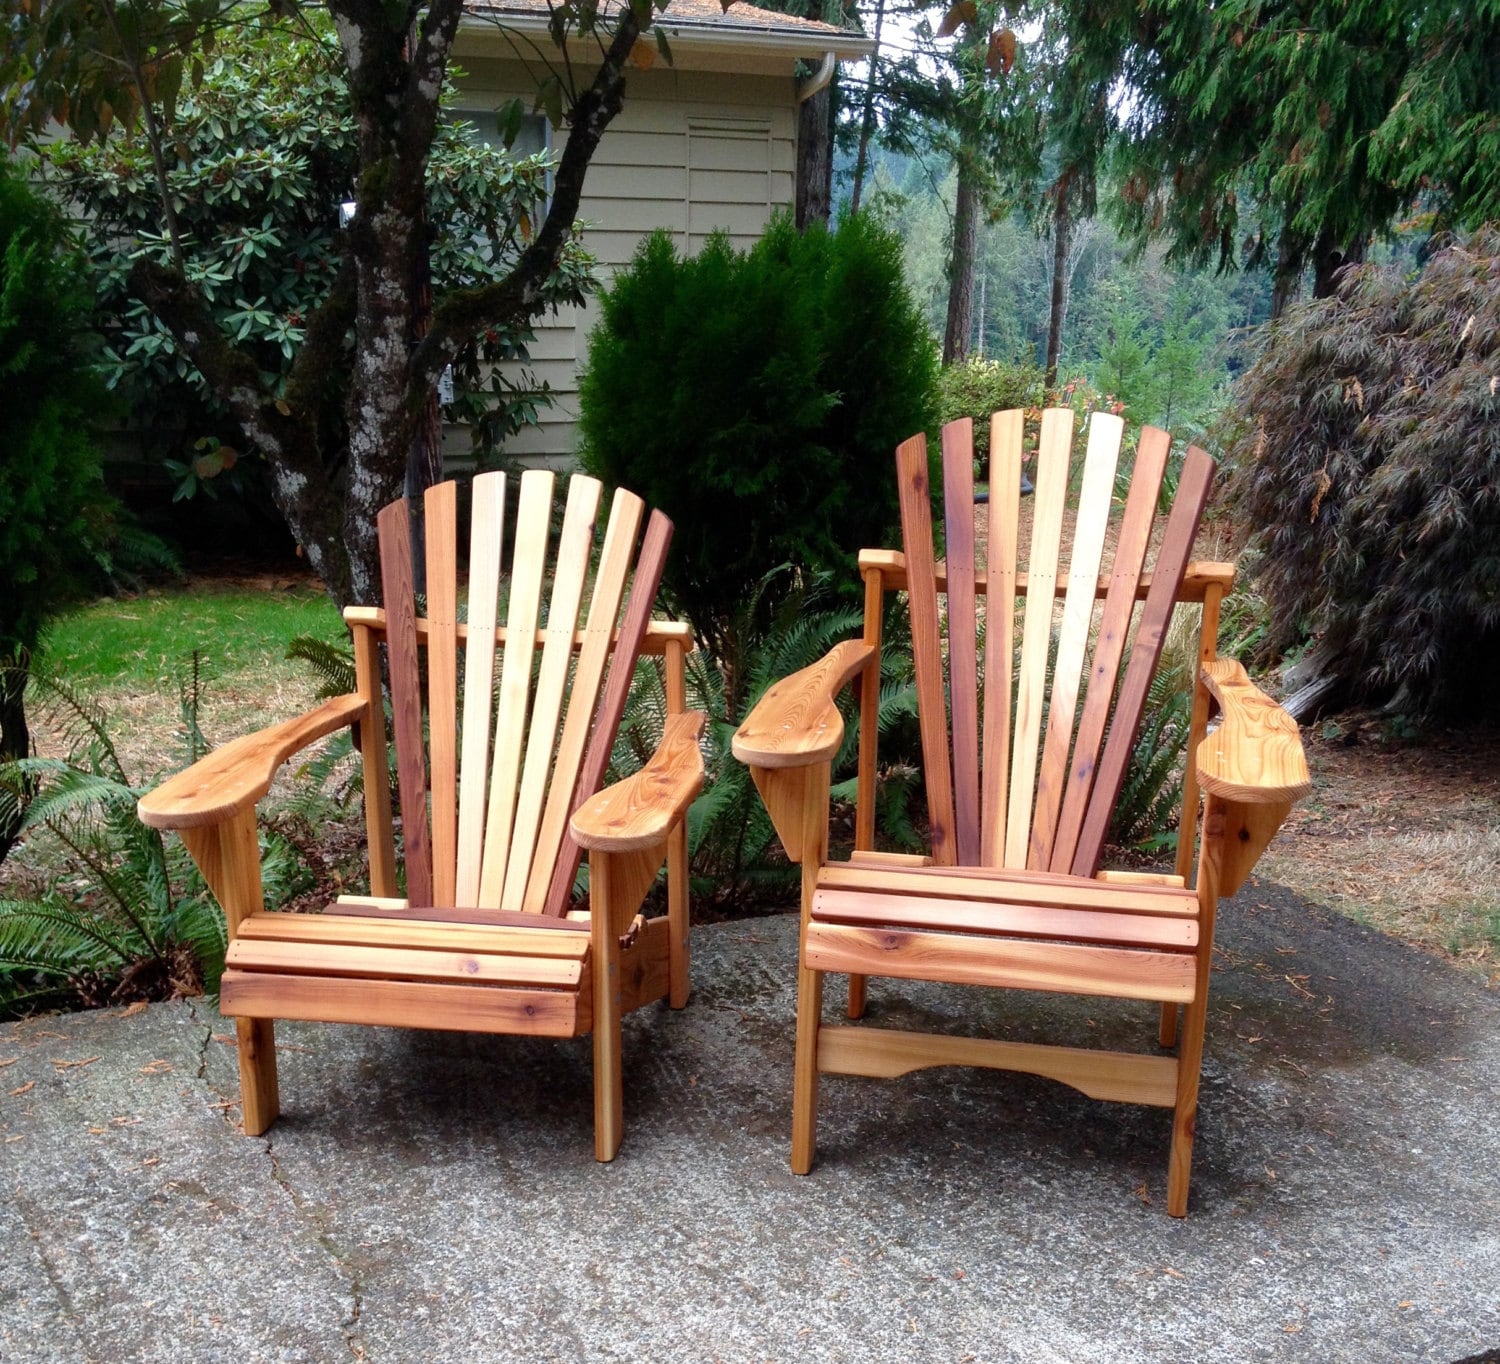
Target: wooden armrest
(234,777)
(638,812)
(1255,754)
(796,722)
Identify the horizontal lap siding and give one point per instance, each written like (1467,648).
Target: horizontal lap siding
(690,152)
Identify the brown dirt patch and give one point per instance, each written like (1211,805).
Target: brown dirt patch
(1403,835)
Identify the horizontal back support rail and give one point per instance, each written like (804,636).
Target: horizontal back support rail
(1196,582)
(659,636)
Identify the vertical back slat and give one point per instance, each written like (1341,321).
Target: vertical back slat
(1089,530)
(571,568)
(921,591)
(394,527)
(1114,628)
(440,505)
(486,543)
(643,589)
(528,563)
(604,609)
(1053,454)
(963,662)
(1150,635)
(1007,433)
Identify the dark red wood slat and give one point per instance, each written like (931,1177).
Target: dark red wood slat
(643,589)
(921,591)
(1150,635)
(1109,646)
(394,526)
(963,659)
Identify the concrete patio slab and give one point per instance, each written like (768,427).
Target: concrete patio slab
(430,1196)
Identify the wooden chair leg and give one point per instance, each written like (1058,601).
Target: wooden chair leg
(857,996)
(1166,1032)
(609,1093)
(805,1082)
(260,1101)
(677,915)
(1185,1113)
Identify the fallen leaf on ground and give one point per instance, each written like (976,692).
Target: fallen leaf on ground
(74,1065)
(24,1089)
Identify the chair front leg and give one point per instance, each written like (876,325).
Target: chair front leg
(228,855)
(677,915)
(609,1094)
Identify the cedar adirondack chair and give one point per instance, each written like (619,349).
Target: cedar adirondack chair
(484,940)
(1011,894)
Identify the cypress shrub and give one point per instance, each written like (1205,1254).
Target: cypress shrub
(757,398)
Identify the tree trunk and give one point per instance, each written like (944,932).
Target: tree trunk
(867,122)
(1057,310)
(1330,262)
(815,159)
(960,324)
(1287,275)
(15,742)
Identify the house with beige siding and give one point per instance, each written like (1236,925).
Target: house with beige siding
(708,142)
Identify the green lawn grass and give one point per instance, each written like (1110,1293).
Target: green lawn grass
(148,641)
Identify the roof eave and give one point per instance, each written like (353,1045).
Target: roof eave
(698,36)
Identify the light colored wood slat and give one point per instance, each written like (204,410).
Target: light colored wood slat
(932,710)
(403,1004)
(374,763)
(1014,887)
(637,812)
(660,637)
(1114,629)
(440,512)
(394,523)
(1068,968)
(1174,933)
(398,963)
(431,935)
(638,607)
(797,721)
(1117,1076)
(527,568)
(891,565)
(1256,752)
(1150,636)
(486,545)
(1090,528)
(1007,432)
(232,778)
(599,634)
(1111,877)
(963,659)
(1053,453)
(571,567)
(871,857)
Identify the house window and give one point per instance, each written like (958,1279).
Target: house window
(535,134)
(729,179)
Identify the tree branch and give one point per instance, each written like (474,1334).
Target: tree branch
(521,295)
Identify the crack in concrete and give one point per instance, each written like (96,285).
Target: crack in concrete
(31,1216)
